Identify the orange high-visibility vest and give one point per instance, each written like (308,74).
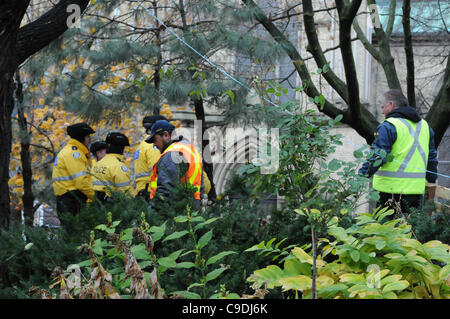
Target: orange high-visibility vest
(194,173)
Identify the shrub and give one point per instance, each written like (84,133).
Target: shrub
(374,260)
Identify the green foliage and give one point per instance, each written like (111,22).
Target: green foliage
(190,259)
(374,259)
(429,224)
(306,178)
(120,206)
(28,256)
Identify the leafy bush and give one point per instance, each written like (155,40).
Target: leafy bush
(373,260)
(304,177)
(28,255)
(429,224)
(119,262)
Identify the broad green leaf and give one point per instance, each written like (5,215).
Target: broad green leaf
(180,219)
(209,221)
(214,274)
(186,265)
(390,295)
(324,281)
(140,253)
(279,243)
(358,154)
(197,219)
(204,240)
(292,267)
(231,95)
(398,285)
(175,254)
(299,282)
(145,264)
(85,263)
(355,255)
(334,165)
(444,274)
(302,255)
(187,294)
(351,278)
(300,212)
(270,275)
(176,235)
(167,262)
(390,279)
(331,291)
(269,243)
(219,256)
(197,284)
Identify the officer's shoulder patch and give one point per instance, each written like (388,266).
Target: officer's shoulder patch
(136,155)
(76,154)
(74,148)
(124,168)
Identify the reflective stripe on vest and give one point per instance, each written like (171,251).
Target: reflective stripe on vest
(403,176)
(107,183)
(194,173)
(143,174)
(69,178)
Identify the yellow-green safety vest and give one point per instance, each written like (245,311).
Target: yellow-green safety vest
(406,173)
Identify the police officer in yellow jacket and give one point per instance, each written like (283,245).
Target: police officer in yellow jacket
(72,183)
(98,149)
(111,174)
(145,157)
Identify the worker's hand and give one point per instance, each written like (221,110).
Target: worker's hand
(430,190)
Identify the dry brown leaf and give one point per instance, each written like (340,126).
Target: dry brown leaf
(156,288)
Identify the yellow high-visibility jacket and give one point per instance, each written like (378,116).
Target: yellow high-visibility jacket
(112,174)
(71,170)
(144,159)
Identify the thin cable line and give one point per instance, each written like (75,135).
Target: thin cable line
(250,90)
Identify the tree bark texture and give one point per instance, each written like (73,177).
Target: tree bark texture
(410,89)
(356,115)
(16,45)
(25,156)
(366,127)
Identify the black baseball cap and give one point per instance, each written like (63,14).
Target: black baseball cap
(117,138)
(79,130)
(159,127)
(148,121)
(97,146)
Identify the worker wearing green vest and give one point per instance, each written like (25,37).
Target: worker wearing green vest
(409,141)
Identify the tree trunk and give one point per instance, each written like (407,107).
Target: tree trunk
(410,87)
(439,114)
(7,104)
(16,45)
(11,13)
(25,157)
(208,167)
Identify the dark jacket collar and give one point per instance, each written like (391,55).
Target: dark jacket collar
(406,112)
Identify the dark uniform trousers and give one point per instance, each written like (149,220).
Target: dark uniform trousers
(407,202)
(70,202)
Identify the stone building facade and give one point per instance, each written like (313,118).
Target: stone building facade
(429,62)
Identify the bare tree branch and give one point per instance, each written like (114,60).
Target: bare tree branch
(410,87)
